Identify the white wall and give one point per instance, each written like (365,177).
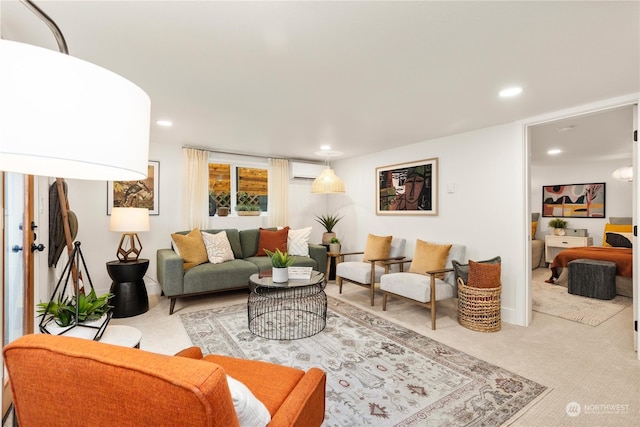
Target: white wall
(485,212)
(618,195)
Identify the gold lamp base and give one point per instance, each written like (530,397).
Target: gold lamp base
(129,249)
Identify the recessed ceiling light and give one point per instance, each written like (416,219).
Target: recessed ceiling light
(165,123)
(325,147)
(554,151)
(510,92)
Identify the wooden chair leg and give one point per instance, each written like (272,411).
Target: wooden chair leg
(339,283)
(384,301)
(172,306)
(433,301)
(373,281)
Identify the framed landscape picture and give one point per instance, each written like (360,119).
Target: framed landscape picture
(574,200)
(407,188)
(142,193)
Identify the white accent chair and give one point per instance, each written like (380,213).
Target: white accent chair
(424,289)
(367,273)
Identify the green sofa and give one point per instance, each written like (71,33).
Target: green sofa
(208,278)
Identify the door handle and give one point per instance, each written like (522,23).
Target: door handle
(16,248)
(38,248)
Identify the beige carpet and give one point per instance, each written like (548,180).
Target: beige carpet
(554,300)
(579,363)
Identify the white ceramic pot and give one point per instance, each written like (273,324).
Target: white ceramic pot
(280,275)
(334,248)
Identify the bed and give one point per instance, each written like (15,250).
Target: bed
(616,248)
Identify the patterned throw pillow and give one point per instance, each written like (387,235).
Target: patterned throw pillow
(298,241)
(377,247)
(484,275)
(428,257)
(623,230)
(191,248)
(619,240)
(218,247)
(272,240)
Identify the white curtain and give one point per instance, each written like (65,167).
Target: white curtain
(195,188)
(278,192)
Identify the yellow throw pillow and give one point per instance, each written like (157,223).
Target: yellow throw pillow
(428,257)
(377,247)
(191,248)
(615,228)
(534,227)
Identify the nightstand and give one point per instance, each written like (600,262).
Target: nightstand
(555,244)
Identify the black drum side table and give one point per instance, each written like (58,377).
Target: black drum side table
(130,293)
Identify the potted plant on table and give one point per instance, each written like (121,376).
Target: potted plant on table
(328,222)
(558,225)
(247,204)
(63,313)
(334,245)
(280,261)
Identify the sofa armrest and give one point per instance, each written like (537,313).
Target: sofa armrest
(305,405)
(170,270)
(319,254)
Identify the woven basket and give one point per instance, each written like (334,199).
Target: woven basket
(479,308)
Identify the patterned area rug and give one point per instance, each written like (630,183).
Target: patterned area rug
(378,373)
(554,300)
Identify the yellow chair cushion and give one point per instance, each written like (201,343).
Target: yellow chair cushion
(377,247)
(428,257)
(191,248)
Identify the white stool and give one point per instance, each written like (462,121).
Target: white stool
(125,336)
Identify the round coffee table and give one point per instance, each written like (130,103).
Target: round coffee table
(287,311)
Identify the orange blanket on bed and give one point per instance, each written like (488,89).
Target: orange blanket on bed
(621,256)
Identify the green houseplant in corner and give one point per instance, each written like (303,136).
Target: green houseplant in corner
(328,222)
(334,245)
(68,311)
(280,261)
(558,225)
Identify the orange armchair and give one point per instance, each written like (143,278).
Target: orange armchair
(58,381)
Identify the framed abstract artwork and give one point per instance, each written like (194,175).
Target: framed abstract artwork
(143,193)
(407,188)
(574,200)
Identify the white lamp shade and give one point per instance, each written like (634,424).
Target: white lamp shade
(624,173)
(64,117)
(327,182)
(129,220)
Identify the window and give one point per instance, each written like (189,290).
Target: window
(237,187)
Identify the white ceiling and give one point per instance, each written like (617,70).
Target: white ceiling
(282,78)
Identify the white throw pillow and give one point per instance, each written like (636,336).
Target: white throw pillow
(298,241)
(218,247)
(250,411)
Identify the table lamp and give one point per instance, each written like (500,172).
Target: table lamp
(129,221)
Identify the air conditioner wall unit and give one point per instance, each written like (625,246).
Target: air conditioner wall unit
(301,170)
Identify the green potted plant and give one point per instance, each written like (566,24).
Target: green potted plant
(65,312)
(280,261)
(334,245)
(558,225)
(328,222)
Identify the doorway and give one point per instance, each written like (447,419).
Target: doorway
(594,143)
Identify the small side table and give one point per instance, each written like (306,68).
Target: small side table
(130,293)
(332,258)
(122,335)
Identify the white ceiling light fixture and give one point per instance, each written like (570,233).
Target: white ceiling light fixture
(510,92)
(554,151)
(64,117)
(164,123)
(624,174)
(327,182)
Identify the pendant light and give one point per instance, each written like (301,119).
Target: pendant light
(327,182)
